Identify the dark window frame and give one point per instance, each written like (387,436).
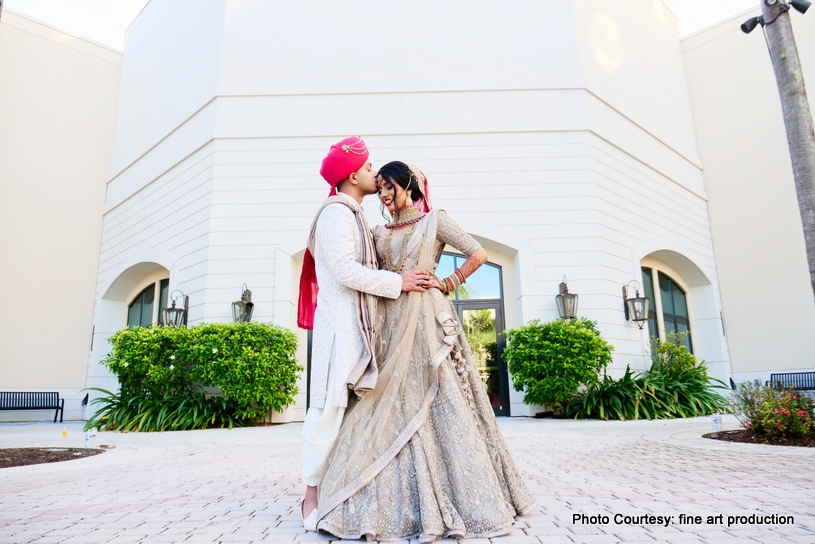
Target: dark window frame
(650,291)
(160,290)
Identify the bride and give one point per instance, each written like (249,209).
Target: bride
(422,455)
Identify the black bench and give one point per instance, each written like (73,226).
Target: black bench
(16,400)
(803,381)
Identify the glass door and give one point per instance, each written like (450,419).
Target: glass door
(483,324)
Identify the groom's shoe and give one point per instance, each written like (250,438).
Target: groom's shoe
(310,522)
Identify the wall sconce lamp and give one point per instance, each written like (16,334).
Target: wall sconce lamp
(176,317)
(242,309)
(636,308)
(566,302)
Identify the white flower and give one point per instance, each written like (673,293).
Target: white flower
(172,357)
(214,350)
(171,367)
(124,364)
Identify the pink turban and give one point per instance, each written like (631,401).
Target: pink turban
(344,158)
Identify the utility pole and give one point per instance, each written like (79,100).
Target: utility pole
(775,21)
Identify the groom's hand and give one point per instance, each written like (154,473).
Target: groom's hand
(415,280)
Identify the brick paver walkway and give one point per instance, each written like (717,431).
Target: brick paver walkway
(243,485)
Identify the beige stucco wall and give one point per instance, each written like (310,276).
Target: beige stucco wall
(57,112)
(768,305)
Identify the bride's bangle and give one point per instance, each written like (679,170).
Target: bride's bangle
(460,275)
(442,285)
(452,282)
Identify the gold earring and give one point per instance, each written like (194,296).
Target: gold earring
(408,201)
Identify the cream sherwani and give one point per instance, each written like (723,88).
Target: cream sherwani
(337,342)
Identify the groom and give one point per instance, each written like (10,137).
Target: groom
(344,260)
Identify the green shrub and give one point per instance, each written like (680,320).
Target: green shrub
(610,398)
(677,385)
(152,412)
(765,410)
(550,361)
(683,387)
(163,373)
(672,353)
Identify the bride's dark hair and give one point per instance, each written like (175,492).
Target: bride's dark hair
(400,173)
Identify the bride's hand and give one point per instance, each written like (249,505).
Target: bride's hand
(435,282)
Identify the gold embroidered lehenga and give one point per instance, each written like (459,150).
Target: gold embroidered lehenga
(422,456)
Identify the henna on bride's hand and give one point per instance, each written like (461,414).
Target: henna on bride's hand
(473,262)
(435,282)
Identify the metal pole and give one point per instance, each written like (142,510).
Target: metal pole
(797,116)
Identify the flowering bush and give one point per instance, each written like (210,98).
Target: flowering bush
(166,376)
(762,409)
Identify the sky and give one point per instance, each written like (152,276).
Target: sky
(105,21)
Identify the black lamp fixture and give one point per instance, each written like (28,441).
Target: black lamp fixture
(801,6)
(242,309)
(566,302)
(177,317)
(636,308)
(750,24)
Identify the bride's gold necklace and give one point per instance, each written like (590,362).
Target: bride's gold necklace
(402,254)
(408,216)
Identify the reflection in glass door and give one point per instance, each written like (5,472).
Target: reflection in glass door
(482,323)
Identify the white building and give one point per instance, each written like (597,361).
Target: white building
(577,138)
(58,101)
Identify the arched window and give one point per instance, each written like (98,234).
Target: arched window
(672,304)
(143,312)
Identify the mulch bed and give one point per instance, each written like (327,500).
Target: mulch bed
(745,436)
(17,457)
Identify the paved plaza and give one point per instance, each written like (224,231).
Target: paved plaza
(243,485)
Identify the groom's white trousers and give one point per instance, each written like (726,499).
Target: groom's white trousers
(320,430)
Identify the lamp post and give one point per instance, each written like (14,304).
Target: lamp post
(177,317)
(242,309)
(775,21)
(636,308)
(566,302)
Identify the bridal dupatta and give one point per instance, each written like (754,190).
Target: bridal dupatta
(422,455)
